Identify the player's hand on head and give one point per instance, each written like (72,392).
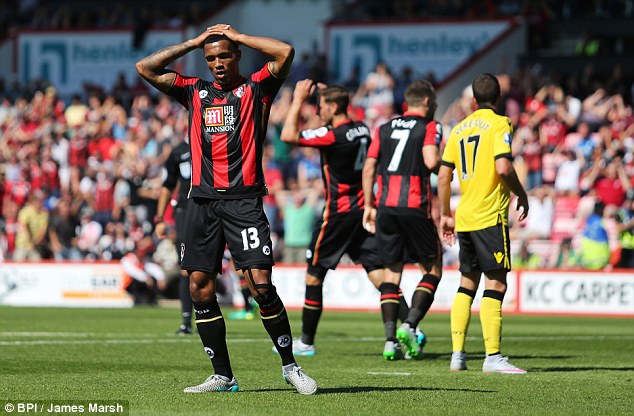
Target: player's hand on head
(226,30)
(447,226)
(199,41)
(303,89)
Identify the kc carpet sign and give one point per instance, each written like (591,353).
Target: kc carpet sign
(68,60)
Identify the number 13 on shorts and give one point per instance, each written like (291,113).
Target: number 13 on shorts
(250,239)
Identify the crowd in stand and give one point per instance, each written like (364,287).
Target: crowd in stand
(80,179)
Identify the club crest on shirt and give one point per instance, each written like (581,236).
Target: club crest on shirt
(202,94)
(239,92)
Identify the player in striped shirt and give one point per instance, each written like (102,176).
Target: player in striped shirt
(227,127)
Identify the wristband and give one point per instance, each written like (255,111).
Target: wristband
(158,219)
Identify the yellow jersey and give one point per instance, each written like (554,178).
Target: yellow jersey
(472,149)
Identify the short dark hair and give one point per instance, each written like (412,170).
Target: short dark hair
(486,89)
(218,38)
(338,95)
(416,92)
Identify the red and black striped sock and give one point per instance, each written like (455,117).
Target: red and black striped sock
(311,313)
(422,299)
(389,309)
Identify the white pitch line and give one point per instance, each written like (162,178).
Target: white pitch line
(267,340)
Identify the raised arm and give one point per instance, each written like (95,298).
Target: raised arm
(282,53)
(153,67)
(290,130)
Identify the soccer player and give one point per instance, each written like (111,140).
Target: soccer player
(177,174)
(479,148)
(404,152)
(227,127)
(343,144)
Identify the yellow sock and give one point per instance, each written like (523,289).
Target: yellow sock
(491,320)
(460,317)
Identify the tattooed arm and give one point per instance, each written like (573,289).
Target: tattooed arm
(152,68)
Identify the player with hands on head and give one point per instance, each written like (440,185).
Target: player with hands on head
(479,149)
(227,128)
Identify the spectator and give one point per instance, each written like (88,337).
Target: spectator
(568,173)
(75,113)
(166,254)
(62,233)
(608,179)
(539,221)
(526,259)
(566,257)
(531,150)
(625,228)
(144,279)
(377,90)
(595,248)
(298,216)
(89,233)
(30,240)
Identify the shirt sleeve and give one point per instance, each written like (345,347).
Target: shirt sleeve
(433,133)
(502,140)
(449,154)
(182,89)
(268,84)
(321,137)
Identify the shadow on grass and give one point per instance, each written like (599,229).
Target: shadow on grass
(573,369)
(369,389)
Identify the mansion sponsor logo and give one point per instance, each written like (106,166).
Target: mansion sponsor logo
(219,119)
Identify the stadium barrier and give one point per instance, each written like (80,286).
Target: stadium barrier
(86,284)
(551,292)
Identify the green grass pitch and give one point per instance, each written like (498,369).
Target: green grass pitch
(575,366)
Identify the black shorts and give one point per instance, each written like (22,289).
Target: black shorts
(485,250)
(407,239)
(338,235)
(238,223)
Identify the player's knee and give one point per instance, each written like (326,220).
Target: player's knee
(315,274)
(265,294)
(201,287)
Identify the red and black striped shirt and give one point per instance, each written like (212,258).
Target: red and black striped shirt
(402,176)
(227,128)
(343,151)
